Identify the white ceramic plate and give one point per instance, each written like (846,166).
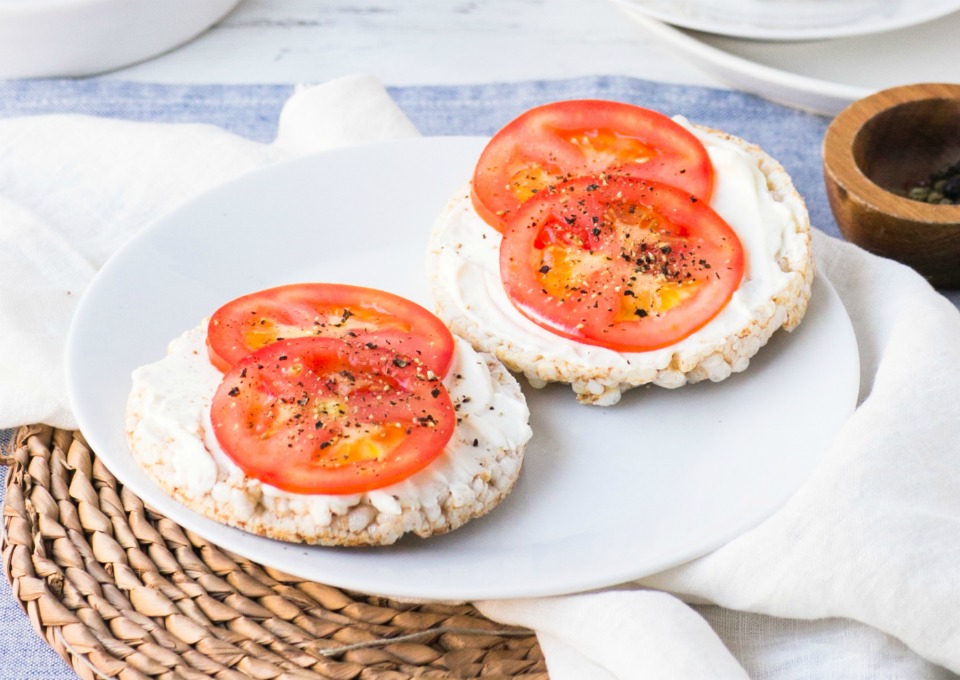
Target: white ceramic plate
(821,76)
(793,19)
(606,494)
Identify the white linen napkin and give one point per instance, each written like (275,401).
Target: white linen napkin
(859,567)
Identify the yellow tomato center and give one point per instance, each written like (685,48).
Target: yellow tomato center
(359,444)
(334,322)
(601,149)
(564,269)
(652,295)
(604,148)
(528,180)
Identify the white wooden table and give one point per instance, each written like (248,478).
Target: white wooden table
(408,42)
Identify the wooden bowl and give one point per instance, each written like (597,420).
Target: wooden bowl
(873,152)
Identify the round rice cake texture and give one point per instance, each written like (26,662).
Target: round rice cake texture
(170,436)
(752,192)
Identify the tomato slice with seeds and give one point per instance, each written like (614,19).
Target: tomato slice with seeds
(319,415)
(556,142)
(623,263)
(361,314)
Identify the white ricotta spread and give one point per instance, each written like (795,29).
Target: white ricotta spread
(773,227)
(168,418)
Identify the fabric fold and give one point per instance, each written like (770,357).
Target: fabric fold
(43,279)
(351,110)
(620,634)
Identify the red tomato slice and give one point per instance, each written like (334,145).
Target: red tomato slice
(618,262)
(365,315)
(557,142)
(323,416)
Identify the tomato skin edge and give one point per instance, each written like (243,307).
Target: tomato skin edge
(429,338)
(533,134)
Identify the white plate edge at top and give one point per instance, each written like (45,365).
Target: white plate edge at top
(791,89)
(897,21)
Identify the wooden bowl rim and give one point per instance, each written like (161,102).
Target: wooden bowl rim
(843,169)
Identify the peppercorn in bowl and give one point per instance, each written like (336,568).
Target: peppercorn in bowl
(892,173)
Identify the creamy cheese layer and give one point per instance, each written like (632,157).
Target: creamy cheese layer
(464,264)
(169,414)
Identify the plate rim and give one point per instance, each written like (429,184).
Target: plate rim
(775,83)
(820,96)
(735,30)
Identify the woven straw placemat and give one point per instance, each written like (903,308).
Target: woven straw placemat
(120,591)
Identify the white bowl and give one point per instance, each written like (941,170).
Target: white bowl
(50,38)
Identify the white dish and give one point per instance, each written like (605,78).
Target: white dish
(57,38)
(606,494)
(820,76)
(793,19)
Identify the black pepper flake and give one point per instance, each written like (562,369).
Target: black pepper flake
(476,442)
(435,392)
(400,362)
(234,392)
(642,313)
(324,445)
(545,269)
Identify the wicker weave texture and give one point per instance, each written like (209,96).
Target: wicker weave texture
(120,591)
